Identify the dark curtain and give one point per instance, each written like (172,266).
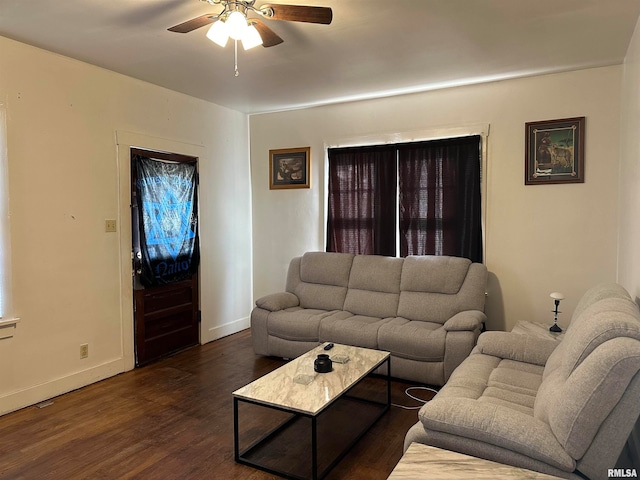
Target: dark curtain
(440,198)
(166,195)
(361,204)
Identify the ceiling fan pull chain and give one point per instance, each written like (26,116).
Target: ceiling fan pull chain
(236,57)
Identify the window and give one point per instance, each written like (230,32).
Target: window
(361,182)
(6,313)
(437,199)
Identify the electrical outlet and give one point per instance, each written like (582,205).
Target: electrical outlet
(84,350)
(110,226)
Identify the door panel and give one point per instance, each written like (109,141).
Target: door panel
(166,317)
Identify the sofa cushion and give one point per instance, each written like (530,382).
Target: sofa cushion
(426,307)
(433,289)
(322,297)
(514,385)
(445,274)
(321,280)
(346,328)
(498,425)
(609,318)
(374,286)
(577,406)
(471,378)
(424,341)
(597,293)
(588,333)
(298,324)
(326,268)
(490,379)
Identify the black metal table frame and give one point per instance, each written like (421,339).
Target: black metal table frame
(240,456)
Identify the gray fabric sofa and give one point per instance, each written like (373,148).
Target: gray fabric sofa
(426,310)
(564,409)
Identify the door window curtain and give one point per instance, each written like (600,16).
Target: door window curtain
(440,198)
(361,203)
(166,194)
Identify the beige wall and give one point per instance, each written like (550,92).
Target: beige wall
(70,284)
(629,243)
(539,239)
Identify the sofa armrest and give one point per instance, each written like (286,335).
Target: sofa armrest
(278,301)
(496,425)
(467,320)
(515,346)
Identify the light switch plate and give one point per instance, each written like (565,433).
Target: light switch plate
(110,226)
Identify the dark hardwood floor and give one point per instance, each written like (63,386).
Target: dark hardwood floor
(170,420)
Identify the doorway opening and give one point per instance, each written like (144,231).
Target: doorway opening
(165,253)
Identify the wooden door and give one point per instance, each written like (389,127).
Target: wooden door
(166,317)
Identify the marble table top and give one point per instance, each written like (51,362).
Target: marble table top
(297,387)
(423,461)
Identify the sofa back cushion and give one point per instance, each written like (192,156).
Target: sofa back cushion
(587,375)
(320,279)
(597,293)
(435,288)
(374,286)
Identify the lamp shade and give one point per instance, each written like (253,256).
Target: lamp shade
(218,33)
(236,25)
(251,38)
(557,296)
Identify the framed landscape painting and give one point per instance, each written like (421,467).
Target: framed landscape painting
(289,168)
(554,151)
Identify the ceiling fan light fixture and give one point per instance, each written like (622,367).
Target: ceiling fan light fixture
(251,38)
(236,25)
(218,33)
(233,22)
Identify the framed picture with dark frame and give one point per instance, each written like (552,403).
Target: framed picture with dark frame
(290,168)
(554,151)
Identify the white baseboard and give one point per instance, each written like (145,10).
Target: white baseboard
(38,393)
(227,329)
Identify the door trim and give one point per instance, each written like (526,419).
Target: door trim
(126,140)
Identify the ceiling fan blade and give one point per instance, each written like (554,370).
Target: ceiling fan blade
(194,23)
(298,13)
(269,37)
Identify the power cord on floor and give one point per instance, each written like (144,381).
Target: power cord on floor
(421,400)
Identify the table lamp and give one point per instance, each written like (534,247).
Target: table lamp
(557,296)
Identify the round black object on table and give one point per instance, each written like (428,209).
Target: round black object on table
(323,363)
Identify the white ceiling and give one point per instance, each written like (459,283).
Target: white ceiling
(373,47)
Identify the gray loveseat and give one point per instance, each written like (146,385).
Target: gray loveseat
(565,409)
(426,310)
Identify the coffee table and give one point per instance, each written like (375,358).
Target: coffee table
(301,429)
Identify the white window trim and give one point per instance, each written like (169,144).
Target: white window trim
(7,320)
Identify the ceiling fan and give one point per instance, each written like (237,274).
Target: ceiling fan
(233,21)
